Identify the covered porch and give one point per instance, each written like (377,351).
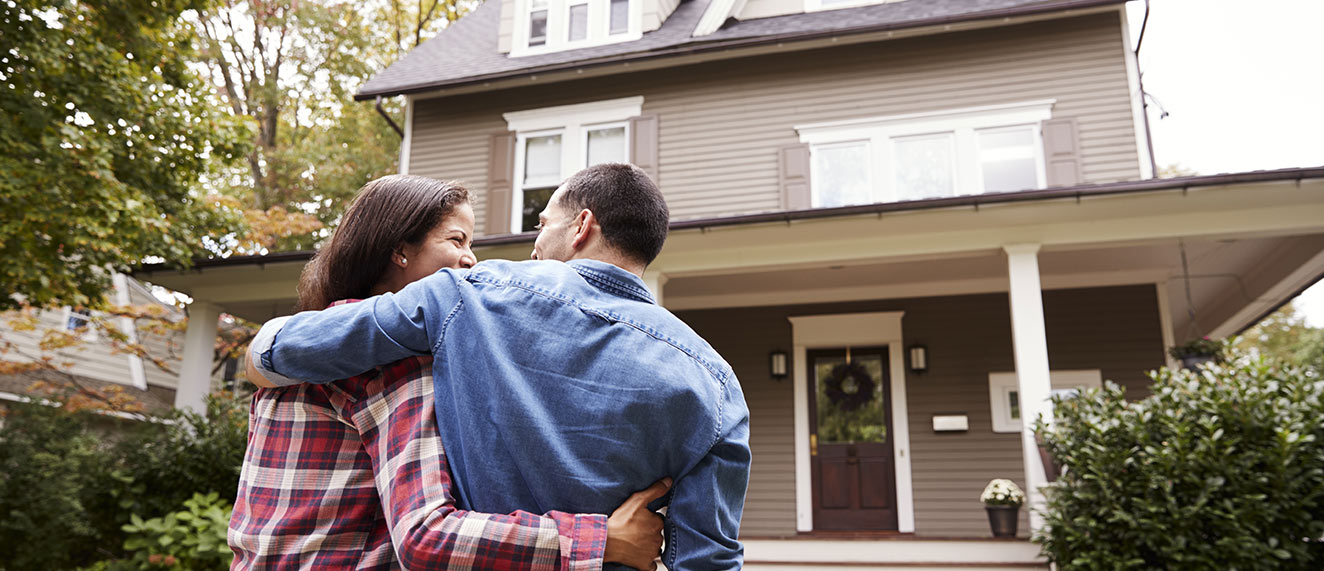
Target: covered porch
(1027,285)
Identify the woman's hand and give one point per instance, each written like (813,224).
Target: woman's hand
(634,532)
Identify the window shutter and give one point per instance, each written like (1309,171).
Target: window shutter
(1061,152)
(794,175)
(643,144)
(500,184)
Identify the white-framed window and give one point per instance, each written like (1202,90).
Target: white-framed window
(80,321)
(554,142)
(544,26)
(1004,393)
(920,156)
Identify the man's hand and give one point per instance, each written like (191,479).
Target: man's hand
(634,533)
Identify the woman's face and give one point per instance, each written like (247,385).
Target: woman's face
(446,246)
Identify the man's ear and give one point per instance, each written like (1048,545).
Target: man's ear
(584,223)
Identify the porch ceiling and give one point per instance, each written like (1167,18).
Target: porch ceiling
(1250,246)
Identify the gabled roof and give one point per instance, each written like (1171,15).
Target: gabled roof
(467,53)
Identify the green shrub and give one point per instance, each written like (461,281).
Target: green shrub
(51,465)
(192,538)
(1219,469)
(70,481)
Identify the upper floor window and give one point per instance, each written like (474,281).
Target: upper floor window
(555,142)
(928,155)
(552,25)
(79,320)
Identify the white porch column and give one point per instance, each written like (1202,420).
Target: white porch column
(1030,345)
(199,345)
(655,280)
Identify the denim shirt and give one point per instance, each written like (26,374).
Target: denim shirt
(559,386)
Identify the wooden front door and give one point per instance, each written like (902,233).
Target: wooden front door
(851,440)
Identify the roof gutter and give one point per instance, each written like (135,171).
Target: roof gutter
(702,47)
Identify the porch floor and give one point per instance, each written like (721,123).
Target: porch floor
(891,552)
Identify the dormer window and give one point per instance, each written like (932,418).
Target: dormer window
(537,22)
(554,25)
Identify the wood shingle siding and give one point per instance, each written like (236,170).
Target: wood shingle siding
(721,123)
(1113,329)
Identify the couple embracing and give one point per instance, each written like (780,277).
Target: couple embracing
(490,416)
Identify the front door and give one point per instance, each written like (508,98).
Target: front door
(851,440)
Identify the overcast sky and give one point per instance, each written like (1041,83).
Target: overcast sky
(1243,85)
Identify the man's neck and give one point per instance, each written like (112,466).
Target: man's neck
(614,259)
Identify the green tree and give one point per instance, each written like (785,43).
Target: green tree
(105,132)
(1285,337)
(290,69)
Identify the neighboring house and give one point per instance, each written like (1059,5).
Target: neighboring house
(956,197)
(92,362)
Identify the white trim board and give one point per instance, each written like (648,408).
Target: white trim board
(407,142)
(851,329)
(1002,383)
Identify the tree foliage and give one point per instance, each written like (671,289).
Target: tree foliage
(290,68)
(1284,336)
(105,132)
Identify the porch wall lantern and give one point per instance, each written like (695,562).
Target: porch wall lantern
(777,364)
(919,358)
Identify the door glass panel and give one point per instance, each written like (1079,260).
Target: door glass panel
(841,174)
(606,145)
(925,166)
(852,407)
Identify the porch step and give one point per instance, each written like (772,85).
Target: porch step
(910,554)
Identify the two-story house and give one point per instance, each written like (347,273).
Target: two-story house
(904,223)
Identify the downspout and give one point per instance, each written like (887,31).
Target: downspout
(1144,97)
(401,132)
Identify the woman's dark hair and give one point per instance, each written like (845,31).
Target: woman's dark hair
(387,213)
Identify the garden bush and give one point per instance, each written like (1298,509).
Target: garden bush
(71,481)
(1221,468)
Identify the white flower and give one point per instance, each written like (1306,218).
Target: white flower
(1001,492)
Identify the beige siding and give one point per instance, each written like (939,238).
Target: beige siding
(720,124)
(506,32)
(166,347)
(767,8)
(1112,329)
(655,12)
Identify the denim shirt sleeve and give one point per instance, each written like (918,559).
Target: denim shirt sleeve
(703,519)
(340,342)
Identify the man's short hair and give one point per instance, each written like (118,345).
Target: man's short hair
(627,204)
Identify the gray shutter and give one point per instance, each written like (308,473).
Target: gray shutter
(500,183)
(1061,152)
(794,176)
(643,144)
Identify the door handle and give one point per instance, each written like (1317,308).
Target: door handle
(852,461)
(813,445)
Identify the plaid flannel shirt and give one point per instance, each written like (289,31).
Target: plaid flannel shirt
(352,475)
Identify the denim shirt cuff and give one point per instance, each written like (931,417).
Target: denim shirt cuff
(259,352)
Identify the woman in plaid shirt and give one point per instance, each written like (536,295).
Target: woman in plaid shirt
(352,475)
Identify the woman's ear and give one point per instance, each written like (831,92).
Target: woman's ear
(399,258)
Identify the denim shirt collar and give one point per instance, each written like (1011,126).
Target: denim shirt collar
(613,280)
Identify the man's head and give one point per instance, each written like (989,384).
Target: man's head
(604,210)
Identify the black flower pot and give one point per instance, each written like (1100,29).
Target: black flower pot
(1194,362)
(1003,520)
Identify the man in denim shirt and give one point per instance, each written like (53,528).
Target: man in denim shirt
(559,386)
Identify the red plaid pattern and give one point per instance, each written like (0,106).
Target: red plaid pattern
(352,475)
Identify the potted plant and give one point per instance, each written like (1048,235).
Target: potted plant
(1197,352)
(1002,500)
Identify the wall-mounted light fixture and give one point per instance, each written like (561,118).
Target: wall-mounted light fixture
(777,364)
(919,358)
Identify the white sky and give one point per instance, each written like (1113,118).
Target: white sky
(1243,83)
